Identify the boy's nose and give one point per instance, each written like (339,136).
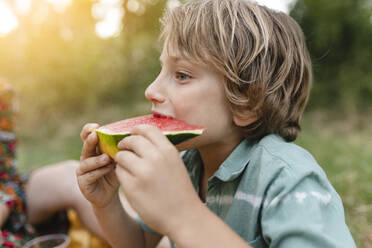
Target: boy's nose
(153,94)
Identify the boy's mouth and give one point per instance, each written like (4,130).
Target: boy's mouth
(160,115)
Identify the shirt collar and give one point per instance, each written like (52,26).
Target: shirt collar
(235,163)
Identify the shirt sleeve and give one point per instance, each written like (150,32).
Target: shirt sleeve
(304,211)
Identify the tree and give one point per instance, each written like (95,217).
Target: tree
(339,39)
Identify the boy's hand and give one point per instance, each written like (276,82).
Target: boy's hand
(154,179)
(95,174)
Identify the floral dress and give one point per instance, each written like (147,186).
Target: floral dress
(15,231)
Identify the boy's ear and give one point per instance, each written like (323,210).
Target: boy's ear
(242,120)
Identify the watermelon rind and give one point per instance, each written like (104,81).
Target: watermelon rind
(108,141)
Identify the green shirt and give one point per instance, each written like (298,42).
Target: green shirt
(273,194)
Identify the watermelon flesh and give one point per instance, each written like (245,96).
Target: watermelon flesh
(175,130)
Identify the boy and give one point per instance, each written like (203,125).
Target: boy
(243,72)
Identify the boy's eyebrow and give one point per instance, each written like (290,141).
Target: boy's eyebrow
(175,59)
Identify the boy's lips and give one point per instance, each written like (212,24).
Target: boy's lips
(161,115)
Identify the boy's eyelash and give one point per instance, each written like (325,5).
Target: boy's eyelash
(182,76)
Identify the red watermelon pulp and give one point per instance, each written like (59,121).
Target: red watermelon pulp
(176,131)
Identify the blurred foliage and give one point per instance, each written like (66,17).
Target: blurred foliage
(62,69)
(339,37)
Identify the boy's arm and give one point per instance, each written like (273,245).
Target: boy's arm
(120,229)
(4,213)
(202,228)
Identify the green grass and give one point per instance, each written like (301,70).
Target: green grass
(341,145)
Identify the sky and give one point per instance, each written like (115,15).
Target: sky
(281,5)
(108,13)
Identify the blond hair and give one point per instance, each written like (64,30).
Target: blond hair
(261,54)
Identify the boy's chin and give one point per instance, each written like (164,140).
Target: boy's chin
(187,145)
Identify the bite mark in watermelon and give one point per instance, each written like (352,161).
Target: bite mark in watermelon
(176,131)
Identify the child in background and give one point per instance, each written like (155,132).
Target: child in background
(244,73)
(27,200)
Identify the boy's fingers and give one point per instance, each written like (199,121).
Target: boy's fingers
(138,144)
(92,163)
(125,178)
(89,146)
(151,133)
(87,129)
(92,176)
(128,160)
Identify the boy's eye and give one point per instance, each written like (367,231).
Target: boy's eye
(181,76)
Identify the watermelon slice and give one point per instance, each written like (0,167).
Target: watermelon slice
(176,131)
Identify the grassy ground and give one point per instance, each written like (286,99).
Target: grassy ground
(341,145)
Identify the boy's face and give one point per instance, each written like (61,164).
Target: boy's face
(195,94)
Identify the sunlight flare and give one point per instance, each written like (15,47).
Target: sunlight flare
(109,15)
(283,5)
(23,6)
(171,4)
(8,21)
(60,5)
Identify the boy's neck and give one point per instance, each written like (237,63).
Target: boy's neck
(213,156)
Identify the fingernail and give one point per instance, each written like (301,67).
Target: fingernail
(120,144)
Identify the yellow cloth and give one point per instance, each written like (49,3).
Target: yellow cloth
(80,237)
